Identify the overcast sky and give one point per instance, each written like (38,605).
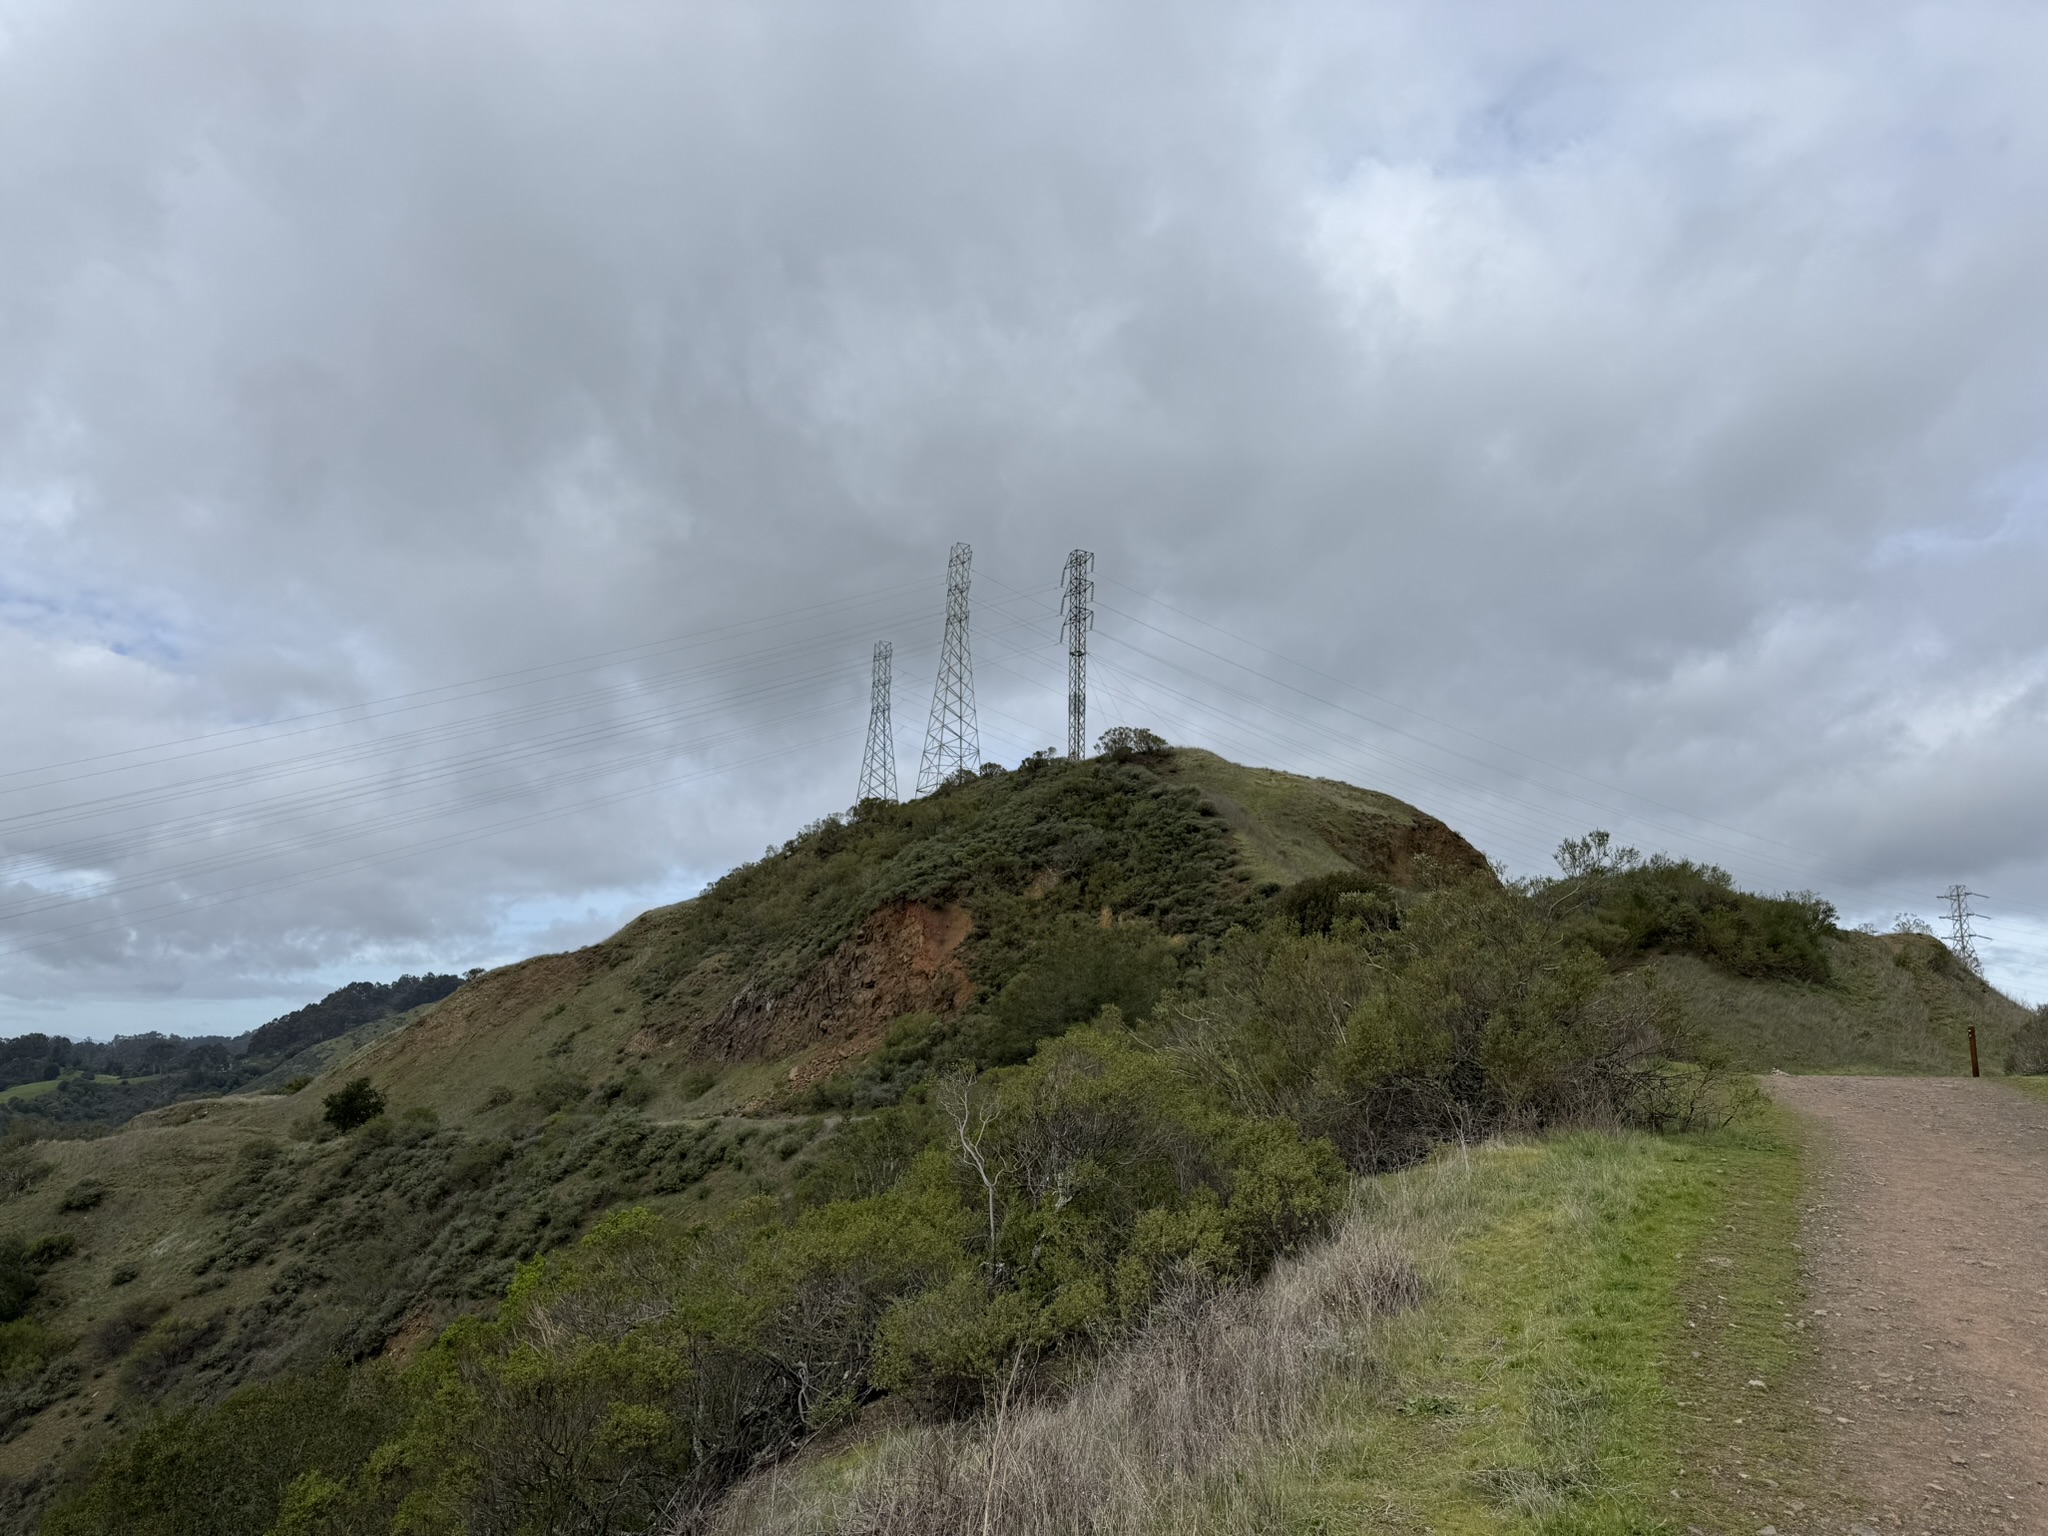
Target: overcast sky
(455,458)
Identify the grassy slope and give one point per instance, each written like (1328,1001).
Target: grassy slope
(1877,1016)
(22,1091)
(640,1000)
(1289,828)
(1595,1311)
(1601,1306)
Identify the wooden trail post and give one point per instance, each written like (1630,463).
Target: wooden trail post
(1973,1052)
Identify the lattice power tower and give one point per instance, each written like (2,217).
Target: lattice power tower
(1077,617)
(1963,938)
(878,763)
(953,740)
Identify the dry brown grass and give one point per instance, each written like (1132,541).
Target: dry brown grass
(1172,1434)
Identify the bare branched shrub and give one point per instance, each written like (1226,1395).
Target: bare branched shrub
(1168,1435)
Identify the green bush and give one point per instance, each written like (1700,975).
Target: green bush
(1314,906)
(1011,1222)
(1626,906)
(52,1248)
(2028,1054)
(85,1195)
(19,1280)
(21,1170)
(231,1471)
(1077,971)
(354,1104)
(1483,1011)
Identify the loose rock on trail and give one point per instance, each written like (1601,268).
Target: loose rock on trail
(1928,1243)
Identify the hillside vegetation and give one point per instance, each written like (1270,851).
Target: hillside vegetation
(928,1111)
(89,1085)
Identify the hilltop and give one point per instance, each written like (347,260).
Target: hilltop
(750,1044)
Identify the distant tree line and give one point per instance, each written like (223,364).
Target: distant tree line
(148,1070)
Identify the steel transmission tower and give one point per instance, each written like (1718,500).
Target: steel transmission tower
(1963,940)
(952,741)
(878,763)
(1077,617)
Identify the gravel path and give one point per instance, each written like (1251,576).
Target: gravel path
(1928,1240)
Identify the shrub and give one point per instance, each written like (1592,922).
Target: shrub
(21,1170)
(85,1195)
(2028,1054)
(172,1343)
(1078,970)
(1626,906)
(1121,743)
(557,1091)
(27,1346)
(117,1334)
(235,1469)
(354,1104)
(1313,906)
(51,1248)
(18,1279)
(294,1084)
(1483,1011)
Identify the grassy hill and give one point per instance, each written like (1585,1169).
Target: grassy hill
(730,1049)
(677,1064)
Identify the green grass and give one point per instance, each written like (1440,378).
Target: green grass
(22,1091)
(1601,1304)
(2036,1087)
(1288,828)
(1876,1016)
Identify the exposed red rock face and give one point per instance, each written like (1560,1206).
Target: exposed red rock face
(903,959)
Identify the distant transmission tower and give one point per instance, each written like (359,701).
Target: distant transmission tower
(952,741)
(1077,617)
(1962,940)
(878,763)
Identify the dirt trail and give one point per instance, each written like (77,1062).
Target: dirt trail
(1928,1241)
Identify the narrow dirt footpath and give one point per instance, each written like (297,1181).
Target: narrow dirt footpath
(1928,1242)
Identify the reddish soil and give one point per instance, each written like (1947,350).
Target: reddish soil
(904,959)
(1928,1244)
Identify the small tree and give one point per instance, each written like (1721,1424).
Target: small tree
(1121,743)
(357,1103)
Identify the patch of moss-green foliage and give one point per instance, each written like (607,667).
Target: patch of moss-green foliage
(1030,1217)
(1484,1010)
(267,1460)
(1615,1344)
(1628,905)
(403,1217)
(1027,852)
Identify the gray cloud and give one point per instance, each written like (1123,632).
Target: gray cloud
(1656,393)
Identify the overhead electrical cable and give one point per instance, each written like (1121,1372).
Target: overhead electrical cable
(595,660)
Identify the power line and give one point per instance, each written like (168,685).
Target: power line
(1858,878)
(89,926)
(424,698)
(379,788)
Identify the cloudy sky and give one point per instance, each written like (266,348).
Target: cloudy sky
(455,458)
